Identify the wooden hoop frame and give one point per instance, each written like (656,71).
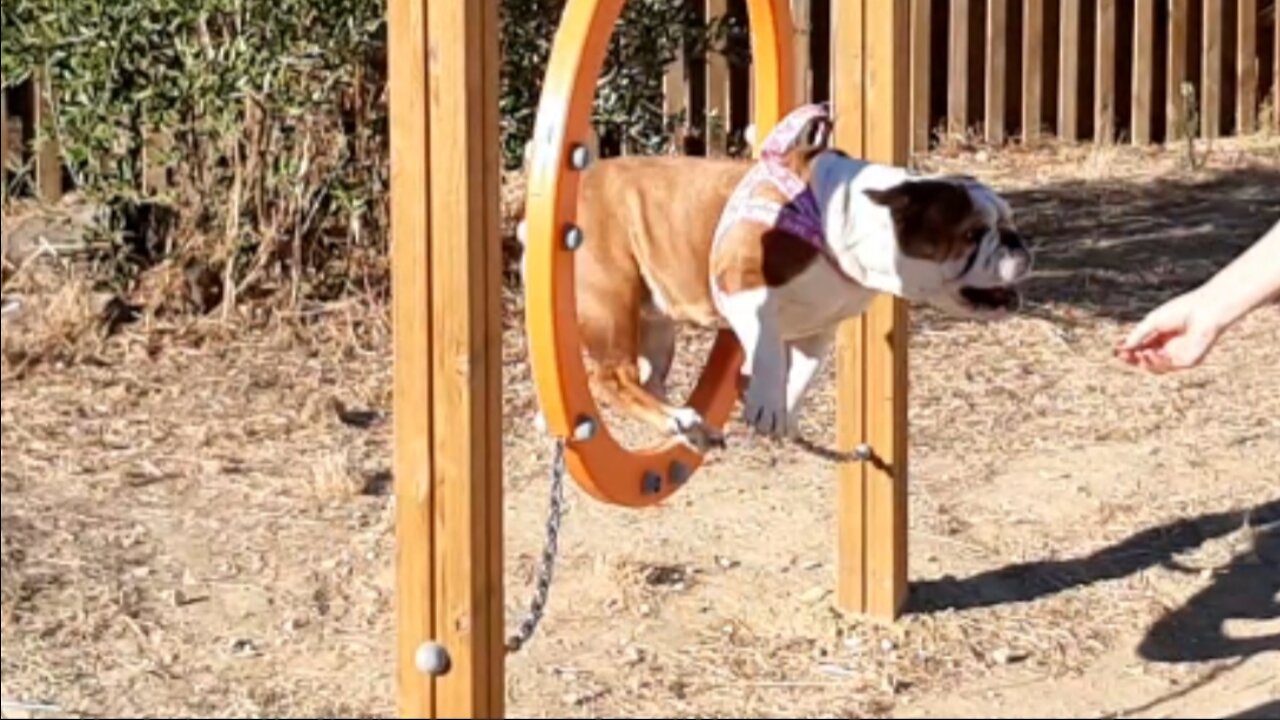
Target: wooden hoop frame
(605,469)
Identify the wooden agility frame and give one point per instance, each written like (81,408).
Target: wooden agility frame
(446,260)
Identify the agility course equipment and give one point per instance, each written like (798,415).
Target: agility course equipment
(444,65)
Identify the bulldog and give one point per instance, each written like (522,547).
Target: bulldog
(781,251)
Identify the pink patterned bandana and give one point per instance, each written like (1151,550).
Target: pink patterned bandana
(800,216)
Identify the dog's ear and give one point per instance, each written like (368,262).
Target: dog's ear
(815,138)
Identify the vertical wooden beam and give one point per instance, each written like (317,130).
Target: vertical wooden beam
(1211,78)
(1144,59)
(872,351)
(1104,98)
(489,138)
(997,50)
(921,74)
(48,156)
(1033,37)
(411,289)
(1247,68)
(1069,86)
(443,77)
(958,82)
(718,89)
(1179,26)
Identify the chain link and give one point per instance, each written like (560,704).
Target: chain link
(546,568)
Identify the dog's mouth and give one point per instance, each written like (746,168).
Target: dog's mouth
(992,299)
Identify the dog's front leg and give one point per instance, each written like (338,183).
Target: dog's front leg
(753,315)
(807,357)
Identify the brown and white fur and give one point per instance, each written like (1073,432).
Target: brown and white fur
(648,265)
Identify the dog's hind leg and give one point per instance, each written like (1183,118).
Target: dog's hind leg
(657,352)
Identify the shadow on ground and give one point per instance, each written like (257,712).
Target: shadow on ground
(1245,590)
(1270,711)
(1118,249)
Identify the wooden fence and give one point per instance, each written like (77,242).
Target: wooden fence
(1139,71)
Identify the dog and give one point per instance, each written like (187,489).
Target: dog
(781,251)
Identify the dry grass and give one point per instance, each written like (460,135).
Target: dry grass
(198,521)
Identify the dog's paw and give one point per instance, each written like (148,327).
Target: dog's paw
(688,425)
(765,409)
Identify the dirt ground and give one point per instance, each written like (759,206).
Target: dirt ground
(197,520)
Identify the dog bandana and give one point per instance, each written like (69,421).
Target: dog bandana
(800,216)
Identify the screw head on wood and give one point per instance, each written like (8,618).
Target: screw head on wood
(580,157)
(432,659)
(573,238)
(863,453)
(652,483)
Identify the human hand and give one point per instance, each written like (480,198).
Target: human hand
(1175,336)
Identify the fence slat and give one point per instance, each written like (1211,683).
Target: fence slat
(1211,78)
(1247,68)
(801,30)
(958,83)
(1104,97)
(1144,63)
(1069,86)
(1032,69)
(5,145)
(675,87)
(997,34)
(921,73)
(718,92)
(1179,23)
(48,158)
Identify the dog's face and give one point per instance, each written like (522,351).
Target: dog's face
(956,246)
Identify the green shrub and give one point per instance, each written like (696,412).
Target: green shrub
(273,118)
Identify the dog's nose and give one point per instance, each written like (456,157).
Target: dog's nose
(1012,240)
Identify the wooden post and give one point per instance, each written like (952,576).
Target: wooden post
(1032,70)
(1144,59)
(1247,68)
(997,36)
(921,74)
(444,65)
(1104,103)
(1179,23)
(719,122)
(48,157)
(1069,71)
(1211,77)
(958,82)
(871,79)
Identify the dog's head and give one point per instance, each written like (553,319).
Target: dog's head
(950,241)
(956,246)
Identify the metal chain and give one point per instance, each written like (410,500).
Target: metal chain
(546,568)
(555,513)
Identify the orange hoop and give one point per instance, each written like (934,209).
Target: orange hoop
(602,467)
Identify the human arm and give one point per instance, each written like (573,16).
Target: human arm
(1179,334)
